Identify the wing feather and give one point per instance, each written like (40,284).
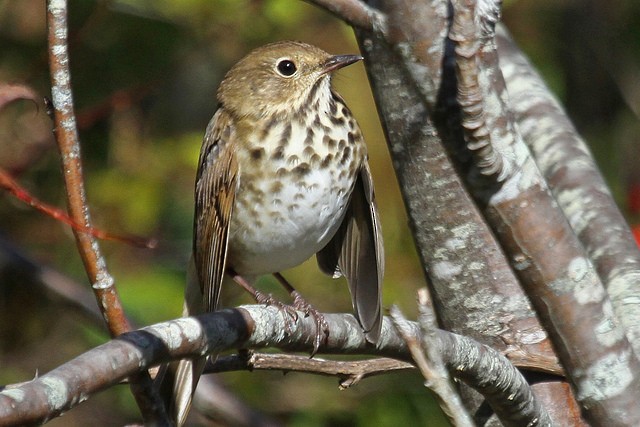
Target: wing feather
(216,184)
(356,251)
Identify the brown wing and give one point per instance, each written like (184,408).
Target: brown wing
(356,251)
(216,184)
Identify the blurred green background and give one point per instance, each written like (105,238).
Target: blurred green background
(144,75)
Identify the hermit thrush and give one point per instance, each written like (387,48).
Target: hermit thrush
(283,175)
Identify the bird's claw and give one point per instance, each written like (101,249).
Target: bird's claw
(322,327)
(290,313)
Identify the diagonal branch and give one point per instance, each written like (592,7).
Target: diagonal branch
(355,13)
(429,360)
(550,261)
(578,186)
(66,134)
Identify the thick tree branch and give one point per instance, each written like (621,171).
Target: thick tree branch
(355,13)
(576,183)
(474,289)
(245,327)
(252,326)
(547,256)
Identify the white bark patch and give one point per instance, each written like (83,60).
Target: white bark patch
(531,336)
(57,391)
(588,288)
(14,393)
(608,332)
(61,98)
(575,204)
(263,331)
(524,178)
(58,50)
(464,231)
(56,5)
(608,377)
(626,302)
(476,266)
(103,281)
(446,270)
(455,244)
(179,329)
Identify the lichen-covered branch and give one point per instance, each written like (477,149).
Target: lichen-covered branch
(428,358)
(66,133)
(246,327)
(355,13)
(576,183)
(478,365)
(474,290)
(557,274)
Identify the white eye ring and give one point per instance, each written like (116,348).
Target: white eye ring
(286,67)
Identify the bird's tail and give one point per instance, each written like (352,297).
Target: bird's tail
(178,380)
(179,383)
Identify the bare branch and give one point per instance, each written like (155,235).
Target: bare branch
(355,13)
(349,372)
(66,133)
(245,327)
(248,327)
(429,361)
(555,270)
(576,183)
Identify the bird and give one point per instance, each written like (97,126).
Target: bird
(283,175)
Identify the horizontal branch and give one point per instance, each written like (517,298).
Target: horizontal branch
(253,326)
(61,389)
(350,372)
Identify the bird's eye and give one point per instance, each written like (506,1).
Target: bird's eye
(286,68)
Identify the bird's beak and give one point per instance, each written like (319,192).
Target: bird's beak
(339,61)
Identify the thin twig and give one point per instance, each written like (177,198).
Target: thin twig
(68,142)
(349,372)
(10,185)
(66,134)
(434,371)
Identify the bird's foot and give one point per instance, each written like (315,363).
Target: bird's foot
(289,312)
(322,327)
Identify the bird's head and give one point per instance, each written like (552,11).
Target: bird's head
(279,78)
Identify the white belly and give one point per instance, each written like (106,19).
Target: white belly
(286,233)
(281,216)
